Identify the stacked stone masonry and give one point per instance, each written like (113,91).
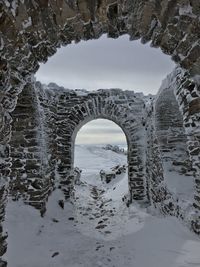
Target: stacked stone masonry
(56,115)
(31,31)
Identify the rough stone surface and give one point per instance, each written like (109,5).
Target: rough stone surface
(54,116)
(30,174)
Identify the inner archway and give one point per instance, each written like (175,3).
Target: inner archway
(103,184)
(101,146)
(107,63)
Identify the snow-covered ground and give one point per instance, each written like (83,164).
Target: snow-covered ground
(98,229)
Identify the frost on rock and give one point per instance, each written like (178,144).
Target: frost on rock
(186,10)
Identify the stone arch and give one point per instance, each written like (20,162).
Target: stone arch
(31,31)
(123,132)
(126,109)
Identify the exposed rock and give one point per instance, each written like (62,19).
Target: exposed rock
(61,203)
(55,220)
(101,226)
(69,110)
(3,263)
(55,254)
(108,176)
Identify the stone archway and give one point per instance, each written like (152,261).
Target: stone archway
(136,185)
(46,121)
(31,31)
(100,148)
(126,109)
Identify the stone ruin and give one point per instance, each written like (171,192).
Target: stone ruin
(34,162)
(45,124)
(109,175)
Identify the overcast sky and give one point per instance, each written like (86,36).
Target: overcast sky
(101,132)
(107,63)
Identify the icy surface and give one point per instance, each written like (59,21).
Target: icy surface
(71,237)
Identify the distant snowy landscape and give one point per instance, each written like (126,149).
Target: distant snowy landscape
(97,228)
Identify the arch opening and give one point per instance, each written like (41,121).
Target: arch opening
(101,155)
(107,63)
(102,160)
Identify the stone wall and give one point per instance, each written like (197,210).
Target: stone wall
(171,134)
(3,235)
(30,175)
(187,93)
(180,144)
(54,116)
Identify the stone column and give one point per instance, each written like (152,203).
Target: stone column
(5,131)
(31,171)
(135,174)
(187,92)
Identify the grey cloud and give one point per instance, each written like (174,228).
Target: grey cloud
(101,126)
